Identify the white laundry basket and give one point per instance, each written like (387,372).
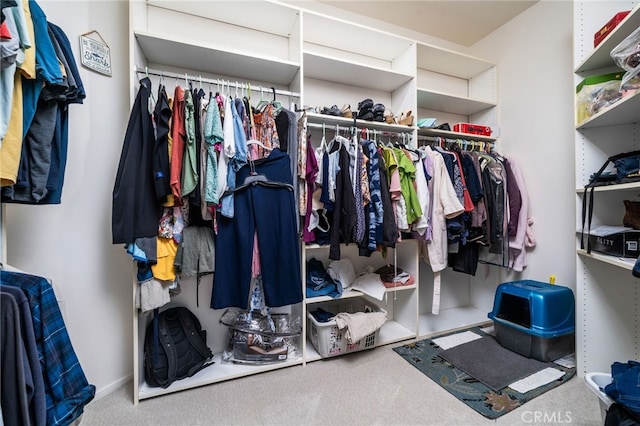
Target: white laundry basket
(596,382)
(329,340)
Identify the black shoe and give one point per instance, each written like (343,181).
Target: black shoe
(378,112)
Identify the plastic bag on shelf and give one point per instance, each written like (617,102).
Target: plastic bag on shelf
(626,55)
(260,339)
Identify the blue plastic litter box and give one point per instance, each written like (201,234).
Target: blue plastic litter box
(535,319)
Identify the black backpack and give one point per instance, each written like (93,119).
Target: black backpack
(175,347)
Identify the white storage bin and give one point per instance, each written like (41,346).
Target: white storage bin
(596,382)
(329,340)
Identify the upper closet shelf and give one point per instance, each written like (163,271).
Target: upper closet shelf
(601,55)
(625,111)
(350,38)
(444,61)
(429,99)
(332,69)
(266,16)
(210,59)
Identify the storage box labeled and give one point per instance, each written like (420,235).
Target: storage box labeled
(615,241)
(329,340)
(474,129)
(603,32)
(535,319)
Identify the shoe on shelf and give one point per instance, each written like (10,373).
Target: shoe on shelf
(346,111)
(365,110)
(334,110)
(406,119)
(378,112)
(389,117)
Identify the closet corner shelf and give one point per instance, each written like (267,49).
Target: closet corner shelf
(625,111)
(448,62)
(212,59)
(332,120)
(438,101)
(454,135)
(601,57)
(631,186)
(336,70)
(611,260)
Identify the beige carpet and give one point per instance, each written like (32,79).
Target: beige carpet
(375,387)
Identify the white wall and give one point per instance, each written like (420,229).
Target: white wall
(71,243)
(534,54)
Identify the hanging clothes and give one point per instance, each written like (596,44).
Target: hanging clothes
(47,81)
(343,216)
(524,238)
(178,137)
(135,208)
(161,165)
(446,205)
(270,212)
(22,382)
(67,390)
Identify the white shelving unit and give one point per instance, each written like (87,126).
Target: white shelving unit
(400,303)
(607,294)
(319,61)
(454,88)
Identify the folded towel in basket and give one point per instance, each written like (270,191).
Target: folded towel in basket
(360,324)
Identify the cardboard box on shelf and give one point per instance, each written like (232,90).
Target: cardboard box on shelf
(615,241)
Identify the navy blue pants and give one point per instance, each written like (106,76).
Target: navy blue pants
(271,213)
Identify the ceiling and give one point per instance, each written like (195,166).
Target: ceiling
(459,21)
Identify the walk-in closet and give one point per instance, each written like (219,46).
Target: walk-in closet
(318,68)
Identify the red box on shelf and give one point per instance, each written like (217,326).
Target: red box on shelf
(474,129)
(608,27)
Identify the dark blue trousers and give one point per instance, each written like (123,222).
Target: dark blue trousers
(271,213)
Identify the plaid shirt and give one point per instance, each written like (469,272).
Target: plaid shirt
(67,390)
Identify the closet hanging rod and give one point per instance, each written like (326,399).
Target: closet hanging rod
(359,128)
(472,142)
(218,81)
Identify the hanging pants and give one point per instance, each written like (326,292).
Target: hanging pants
(271,213)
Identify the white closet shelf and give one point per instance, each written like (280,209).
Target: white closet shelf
(343,35)
(215,373)
(450,319)
(439,101)
(213,59)
(451,63)
(274,18)
(336,70)
(600,57)
(345,295)
(620,262)
(332,120)
(631,186)
(625,111)
(454,135)
(354,293)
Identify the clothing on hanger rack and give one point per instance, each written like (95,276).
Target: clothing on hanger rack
(349,129)
(237,85)
(465,144)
